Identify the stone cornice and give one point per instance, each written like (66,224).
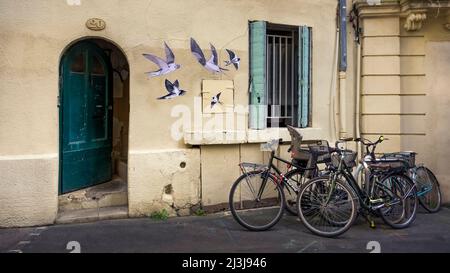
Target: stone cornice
(407,5)
(414,11)
(386,8)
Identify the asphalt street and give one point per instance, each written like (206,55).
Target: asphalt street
(220,233)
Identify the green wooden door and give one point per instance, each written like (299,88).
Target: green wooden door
(85,118)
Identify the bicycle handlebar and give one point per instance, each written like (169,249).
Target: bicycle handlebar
(369,144)
(343,140)
(365,142)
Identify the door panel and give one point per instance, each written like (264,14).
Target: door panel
(74,112)
(86,109)
(99,110)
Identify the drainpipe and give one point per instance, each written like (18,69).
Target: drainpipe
(358,98)
(334,92)
(342,67)
(357,119)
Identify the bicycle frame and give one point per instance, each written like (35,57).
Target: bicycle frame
(413,177)
(363,196)
(279,174)
(410,172)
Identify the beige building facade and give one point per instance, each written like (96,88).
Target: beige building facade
(404,75)
(178,154)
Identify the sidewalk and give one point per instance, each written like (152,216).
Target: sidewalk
(220,233)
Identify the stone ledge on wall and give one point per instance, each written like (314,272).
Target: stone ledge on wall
(250,136)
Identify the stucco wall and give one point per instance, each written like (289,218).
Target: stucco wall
(163,179)
(36,33)
(436,147)
(380,81)
(433,65)
(23,201)
(403,80)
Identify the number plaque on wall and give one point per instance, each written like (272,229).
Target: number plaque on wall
(95,24)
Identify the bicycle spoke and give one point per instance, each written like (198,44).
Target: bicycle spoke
(325,209)
(256,213)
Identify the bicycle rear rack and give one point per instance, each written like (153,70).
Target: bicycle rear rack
(247,167)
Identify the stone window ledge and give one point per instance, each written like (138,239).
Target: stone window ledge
(249,136)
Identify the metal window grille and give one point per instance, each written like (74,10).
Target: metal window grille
(281,78)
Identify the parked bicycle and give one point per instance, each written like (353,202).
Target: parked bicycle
(427,186)
(258,197)
(329,204)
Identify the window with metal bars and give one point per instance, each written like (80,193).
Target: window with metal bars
(280,75)
(281,80)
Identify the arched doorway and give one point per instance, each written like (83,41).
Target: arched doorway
(94,113)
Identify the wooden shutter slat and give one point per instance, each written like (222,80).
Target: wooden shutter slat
(304,75)
(258,102)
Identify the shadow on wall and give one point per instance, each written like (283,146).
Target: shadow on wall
(121,106)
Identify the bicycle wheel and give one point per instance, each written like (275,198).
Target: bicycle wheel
(256,206)
(325,210)
(428,189)
(398,193)
(294,178)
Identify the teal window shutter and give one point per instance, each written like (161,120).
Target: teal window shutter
(304,76)
(258,107)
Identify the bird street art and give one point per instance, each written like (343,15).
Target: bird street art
(212,64)
(166,66)
(173,89)
(215,100)
(233,59)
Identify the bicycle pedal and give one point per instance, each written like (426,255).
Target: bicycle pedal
(372,224)
(372,201)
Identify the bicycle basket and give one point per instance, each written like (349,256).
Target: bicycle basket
(321,151)
(408,158)
(349,158)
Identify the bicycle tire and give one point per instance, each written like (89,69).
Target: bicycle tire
(239,218)
(405,202)
(436,191)
(303,206)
